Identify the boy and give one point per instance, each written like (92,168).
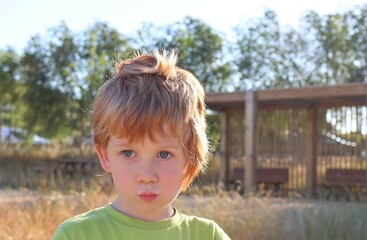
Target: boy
(149,134)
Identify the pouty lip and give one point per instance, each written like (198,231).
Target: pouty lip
(148,196)
(148,192)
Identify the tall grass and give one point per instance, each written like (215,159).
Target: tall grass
(24,166)
(32,206)
(36,215)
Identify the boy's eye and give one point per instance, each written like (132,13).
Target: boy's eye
(128,153)
(164,155)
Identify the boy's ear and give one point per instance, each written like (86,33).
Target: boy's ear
(103,158)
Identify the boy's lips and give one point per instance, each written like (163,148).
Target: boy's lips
(148,196)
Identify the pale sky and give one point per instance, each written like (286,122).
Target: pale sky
(21,19)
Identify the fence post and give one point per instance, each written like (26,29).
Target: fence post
(224,158)
(311,153)
(250,142)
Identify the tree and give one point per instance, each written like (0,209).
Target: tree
(330,49)
(326,50)
(101,46)
(200,49)
(8,81)
(357,18)
(337,45)
(256,51)
(266,56)
(8,75)
(62,74)
(53,82)
(46,104)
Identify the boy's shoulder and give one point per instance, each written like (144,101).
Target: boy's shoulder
(203,225)
(75,227)
(191,219)
(94,215)
(84,221)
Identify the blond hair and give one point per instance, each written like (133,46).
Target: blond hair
(146,93)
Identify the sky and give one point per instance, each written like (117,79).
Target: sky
(22,19)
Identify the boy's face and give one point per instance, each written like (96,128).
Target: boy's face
(147,175)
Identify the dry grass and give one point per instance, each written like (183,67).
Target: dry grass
(254,218)
(36,215)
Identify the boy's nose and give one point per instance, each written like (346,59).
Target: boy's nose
(146,174)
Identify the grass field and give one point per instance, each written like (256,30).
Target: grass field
(31,207)
(35,215)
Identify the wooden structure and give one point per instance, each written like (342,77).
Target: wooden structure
(339,181)
(70,167)
(345,177)
(305,130)
(65,168)
(273,176)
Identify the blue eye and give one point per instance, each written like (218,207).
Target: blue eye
(127,153)
(164,155)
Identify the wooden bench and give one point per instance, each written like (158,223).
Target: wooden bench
(343,180)
(337,177)
(273,176)
(65,167)
(70,167)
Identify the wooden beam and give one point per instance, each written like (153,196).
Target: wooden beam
(328,96)
(250,142)
(224,157)
(348,90)
(320,102)
(223,97)
(223,101)
(311,153)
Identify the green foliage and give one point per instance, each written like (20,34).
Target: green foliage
(333,54)
(49,87)
(46,104)
(8,75)
(101,47)
(200,49)
(325,50)
(257,44)
(61,74)
(8,84)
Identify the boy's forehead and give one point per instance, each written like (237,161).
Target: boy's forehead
(163,133)
(156,137)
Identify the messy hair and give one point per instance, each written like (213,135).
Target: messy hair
(149,93)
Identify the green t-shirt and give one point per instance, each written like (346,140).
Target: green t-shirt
(107,223)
